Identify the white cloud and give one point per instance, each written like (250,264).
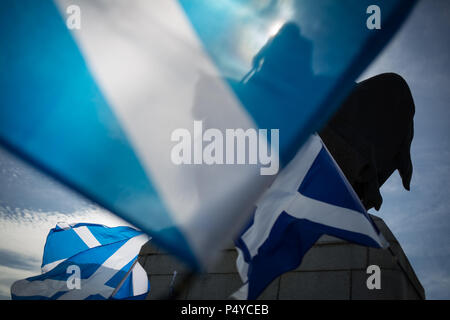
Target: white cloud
(8,276)
(24,235)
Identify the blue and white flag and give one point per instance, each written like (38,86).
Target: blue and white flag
(129,102)
(310,197)
(88,261)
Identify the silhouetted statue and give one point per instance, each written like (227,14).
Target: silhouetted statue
(370,135)
(285,57)
(281,82)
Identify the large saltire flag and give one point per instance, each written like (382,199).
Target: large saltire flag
(85,261)
(93,93)
(310,197)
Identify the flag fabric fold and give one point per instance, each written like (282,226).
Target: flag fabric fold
(310,197)
(88,261)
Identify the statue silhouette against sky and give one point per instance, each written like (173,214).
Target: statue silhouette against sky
(369,136)
(286,57)
(371,133)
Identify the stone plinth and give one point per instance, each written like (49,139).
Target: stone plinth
(332,269)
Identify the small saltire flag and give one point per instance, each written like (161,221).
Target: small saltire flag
(94,93)
(310,197)
(88,261)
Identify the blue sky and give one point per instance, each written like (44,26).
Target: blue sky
(420,219)
(31,203)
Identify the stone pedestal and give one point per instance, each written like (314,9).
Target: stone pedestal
(332,269)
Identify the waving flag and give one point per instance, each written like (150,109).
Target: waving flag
(99,104)
(102,260)
(311,197)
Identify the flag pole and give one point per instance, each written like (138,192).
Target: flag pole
(123,279)
(176,291)
(181,287)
